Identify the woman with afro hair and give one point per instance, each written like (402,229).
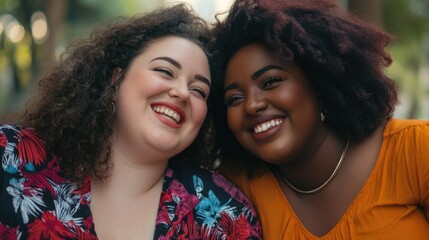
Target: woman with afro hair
(304,124)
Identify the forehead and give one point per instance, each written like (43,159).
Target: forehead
(188,54)
(173,46)
(251,58)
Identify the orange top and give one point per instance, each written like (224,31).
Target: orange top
(392,204)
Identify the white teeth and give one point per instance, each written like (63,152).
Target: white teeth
(267,125)
(167,112)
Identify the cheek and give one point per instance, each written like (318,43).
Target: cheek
(293,98)
(302,107)
(199,113)
(126,103)
(233,118)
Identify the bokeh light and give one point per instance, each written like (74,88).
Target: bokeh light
(39,27)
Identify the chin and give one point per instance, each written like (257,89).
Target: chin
(275,160)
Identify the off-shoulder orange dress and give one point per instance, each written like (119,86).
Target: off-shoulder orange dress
(392,204)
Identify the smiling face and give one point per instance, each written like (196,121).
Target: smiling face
(161,102)
(271,108)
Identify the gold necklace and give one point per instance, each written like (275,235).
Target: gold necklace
(337,168)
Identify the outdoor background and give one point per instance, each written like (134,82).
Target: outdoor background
(33,34)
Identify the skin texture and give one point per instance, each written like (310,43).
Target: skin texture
(163,77)
(260,88)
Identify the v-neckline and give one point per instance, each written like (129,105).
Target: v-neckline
(361,193)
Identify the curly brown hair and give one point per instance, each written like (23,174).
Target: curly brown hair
(342,56)
(72,109)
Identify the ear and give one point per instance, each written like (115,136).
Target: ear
(116,75)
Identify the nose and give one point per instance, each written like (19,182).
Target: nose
(255,103)
(180,92)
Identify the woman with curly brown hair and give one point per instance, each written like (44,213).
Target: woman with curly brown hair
(304,116)
(105,149)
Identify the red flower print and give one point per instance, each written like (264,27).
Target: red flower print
(232,190)
(169,173)
(3,140)
(163,216)
(83,189)
(8,233)
(30,147)
(166,196)
(54,164)
(234,229)
(208,233)
(187,202)
(191,227)
(84,235)
(48,227)
(88,222)
(220,181)
(44,179)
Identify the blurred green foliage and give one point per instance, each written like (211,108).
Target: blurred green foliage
(21,63)
(408,20)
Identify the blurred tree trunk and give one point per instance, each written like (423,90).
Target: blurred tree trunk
(42,56)
(55,11)
(370,10)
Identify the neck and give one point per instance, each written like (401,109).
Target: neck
(130,181)
(131,173)
(313,170)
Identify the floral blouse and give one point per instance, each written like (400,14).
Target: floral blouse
(37,202)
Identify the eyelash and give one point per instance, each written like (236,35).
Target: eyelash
(267,84)
(232,100)
(170,74)
(269,81)
(200,91)
(164,71)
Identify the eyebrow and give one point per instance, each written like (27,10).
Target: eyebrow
(177,64)
(265,69)
(254,76)
(170,60)
(202,79)
(230,87)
